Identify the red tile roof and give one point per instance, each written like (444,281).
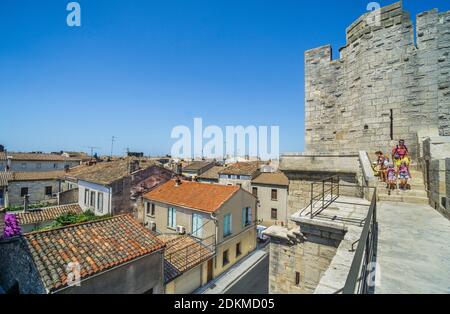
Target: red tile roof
(97,246)
(47,214)
(194,195)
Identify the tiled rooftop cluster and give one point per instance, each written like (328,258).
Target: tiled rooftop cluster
(96,246)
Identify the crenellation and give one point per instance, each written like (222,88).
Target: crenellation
(348,101)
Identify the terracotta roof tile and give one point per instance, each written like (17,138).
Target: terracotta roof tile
(182,253)
(212,174)
(106,172)
(243,168)
(47,213)
(96,246)
(196,165)
(275,178)
(5,177)
(194,195)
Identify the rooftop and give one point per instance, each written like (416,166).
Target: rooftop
(106,172)
(182,253)
(47,213)
(275,178)
(212,173)
(193,195)
(37,157)
(6,177)
(196,165)
(243,168)
(97,246)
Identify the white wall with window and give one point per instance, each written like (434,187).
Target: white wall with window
(172,218)
(94,197)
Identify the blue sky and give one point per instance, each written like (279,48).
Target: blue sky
(136,69)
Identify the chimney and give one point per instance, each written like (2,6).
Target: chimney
(133,166)
(26,201)
(179,169)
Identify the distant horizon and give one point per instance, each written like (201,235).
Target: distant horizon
(135,70)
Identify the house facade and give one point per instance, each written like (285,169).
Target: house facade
(196,168)
(272,190)
(36,162)
(225,214)
(240,174)
(211,176)
(110,256)
(40,187)
(113,188)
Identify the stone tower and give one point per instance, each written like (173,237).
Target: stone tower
(384,87)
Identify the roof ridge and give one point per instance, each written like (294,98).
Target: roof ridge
(77,224)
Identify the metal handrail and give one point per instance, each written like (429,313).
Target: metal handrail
(321,196)
(356,282)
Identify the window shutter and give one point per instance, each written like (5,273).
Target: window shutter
(244,217)
(249,215)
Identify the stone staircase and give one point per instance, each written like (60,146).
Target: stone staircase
(416,195)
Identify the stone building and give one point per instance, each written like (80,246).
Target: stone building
(271,189)
(225,215)
(211,176)
(34,162)
(196,168)
(241,174)
(41,187)
(116,187)
(385,86)
(110,256)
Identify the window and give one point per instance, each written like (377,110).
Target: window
(274,214)
(238,249)
(255,191)
(150,208)
(86,197)
(48,190)
(172,218)
(92,203)
(225,258)
(24,165)
(100,202)
(227,225)
(297,278)
(197,225)
(246,217)
(23,192)
(238,177)
(274,194)
(55,166)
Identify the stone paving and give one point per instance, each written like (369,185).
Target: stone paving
(413,252)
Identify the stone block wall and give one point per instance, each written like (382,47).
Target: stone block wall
(348,101)
(36,190)
(309,258)
(439,185)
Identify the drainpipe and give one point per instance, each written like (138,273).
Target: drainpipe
(216,224)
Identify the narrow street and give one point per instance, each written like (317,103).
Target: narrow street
(256,281)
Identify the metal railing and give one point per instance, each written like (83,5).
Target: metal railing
(357,280)
(184,257)
(328,186)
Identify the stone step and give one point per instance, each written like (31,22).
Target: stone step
(403,199)
(413,192)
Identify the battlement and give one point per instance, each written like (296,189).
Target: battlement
(383,87)
(391,16)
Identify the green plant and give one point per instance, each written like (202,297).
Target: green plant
(72,219)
